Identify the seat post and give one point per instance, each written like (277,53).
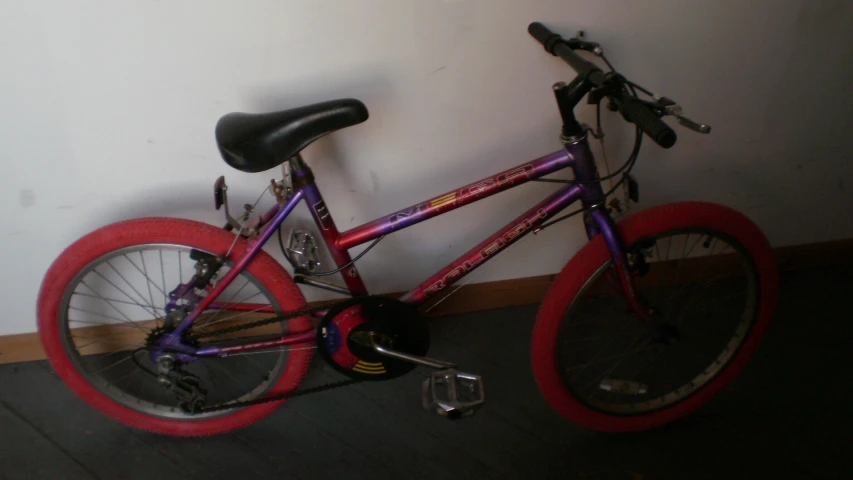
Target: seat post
(297,163)
(302,174)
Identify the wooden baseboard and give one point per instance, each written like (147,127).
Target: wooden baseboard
(23,347)
(503,293)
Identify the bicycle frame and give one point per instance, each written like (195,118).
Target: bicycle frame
(576,156)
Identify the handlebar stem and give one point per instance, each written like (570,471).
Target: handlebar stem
(568,96)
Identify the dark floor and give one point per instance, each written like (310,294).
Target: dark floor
(790,415)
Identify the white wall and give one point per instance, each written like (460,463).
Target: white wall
(108,111)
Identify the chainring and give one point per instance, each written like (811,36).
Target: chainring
(398,322)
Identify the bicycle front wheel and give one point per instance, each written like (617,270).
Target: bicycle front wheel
(702,268)
(106,299)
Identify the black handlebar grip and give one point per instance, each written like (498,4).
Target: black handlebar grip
(544,36)
(638,113)
(555,45)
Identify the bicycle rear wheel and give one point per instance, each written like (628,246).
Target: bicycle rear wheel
(702,268)
(105,299)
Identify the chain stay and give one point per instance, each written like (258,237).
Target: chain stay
(273,398)
(266,321)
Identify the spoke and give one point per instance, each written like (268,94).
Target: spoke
(587,339)
(228,302)
(242,300)
(94,323)
(607,358)
(666,259)
(144,272)
(600,351)
(704,269)
(668,302)
(148,281)
(265,373)
(121,322)
(115,286)
(153,311)
(690,299)
(227,374)
(126,318)
(120,344)
(120,332)
(115,382)
(575,350)
(163,278)
(726,246)
(614,367)
(118,362)
(655,356)
(129,379)
(698,282)
(229,390)
(208,324)
(636,338)
(114,300)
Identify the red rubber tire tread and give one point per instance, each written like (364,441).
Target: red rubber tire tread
(165,230)
(590,258)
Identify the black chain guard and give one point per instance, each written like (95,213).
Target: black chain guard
(398,321)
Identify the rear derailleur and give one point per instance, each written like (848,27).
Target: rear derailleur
(185,386)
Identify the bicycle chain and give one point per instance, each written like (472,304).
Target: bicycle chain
(274,398)
(282,396)
(266,321)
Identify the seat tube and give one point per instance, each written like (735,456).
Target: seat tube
(326,224)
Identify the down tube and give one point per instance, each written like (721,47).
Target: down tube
(488,248)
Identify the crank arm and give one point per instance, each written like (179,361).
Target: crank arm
(425,361)
(371,341)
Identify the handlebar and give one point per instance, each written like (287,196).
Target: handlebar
(638,113)
(633,110)
(555,45)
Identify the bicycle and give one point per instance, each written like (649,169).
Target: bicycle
(148,321)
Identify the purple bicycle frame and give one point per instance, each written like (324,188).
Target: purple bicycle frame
(577,157)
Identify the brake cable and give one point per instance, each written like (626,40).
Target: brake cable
(626,167)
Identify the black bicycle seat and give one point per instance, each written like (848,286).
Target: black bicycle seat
(257,142)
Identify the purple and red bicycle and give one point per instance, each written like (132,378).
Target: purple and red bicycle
(182,328)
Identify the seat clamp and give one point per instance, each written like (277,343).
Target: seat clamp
(303,178)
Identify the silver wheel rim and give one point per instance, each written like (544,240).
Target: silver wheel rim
(615,381)
(131,288)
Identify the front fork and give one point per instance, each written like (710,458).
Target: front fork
(620,277)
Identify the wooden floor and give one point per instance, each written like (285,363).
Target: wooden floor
(790,415)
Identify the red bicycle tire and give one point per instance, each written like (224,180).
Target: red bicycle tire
(595,254)
(176,231)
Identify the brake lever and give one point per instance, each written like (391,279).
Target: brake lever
(578,42)
(696,127)
(675,111)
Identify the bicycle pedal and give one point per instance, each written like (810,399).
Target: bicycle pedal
(453,394)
